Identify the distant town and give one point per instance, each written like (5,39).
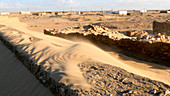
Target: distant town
(53,13)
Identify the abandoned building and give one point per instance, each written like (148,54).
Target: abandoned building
(161,27)
(165,11)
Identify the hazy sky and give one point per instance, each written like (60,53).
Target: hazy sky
(59,5)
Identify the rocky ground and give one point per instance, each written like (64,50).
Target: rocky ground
(108,80)
(112,21)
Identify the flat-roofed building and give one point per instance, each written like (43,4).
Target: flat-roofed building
(25,12)
(143,11)
(4,13)
(39,13)
(78,12)
(140,11)
(165,11)
(121,12)
(63,13)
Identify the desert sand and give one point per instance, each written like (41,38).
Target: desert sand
(15,79)
(61,57)
(112,21)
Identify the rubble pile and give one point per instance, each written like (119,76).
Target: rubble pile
(156,47)
(143,35)
(96,29)
(119,81)
(138,34)
(87,30)
(104,31)
(50,31)
(131,33)
(160,38)
(70,30)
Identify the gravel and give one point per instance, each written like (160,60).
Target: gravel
(110,81)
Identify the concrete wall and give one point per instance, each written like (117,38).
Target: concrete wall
(161,27)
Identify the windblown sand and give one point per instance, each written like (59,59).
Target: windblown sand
(15,79)
(61,57)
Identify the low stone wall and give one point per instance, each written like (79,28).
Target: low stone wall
(159,50)
(161,27)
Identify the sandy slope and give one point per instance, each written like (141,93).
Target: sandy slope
(61,57)
(15,79)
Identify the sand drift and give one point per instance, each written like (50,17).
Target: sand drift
(71,68)
(158,51)
(15,79)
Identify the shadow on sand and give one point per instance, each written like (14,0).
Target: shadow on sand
(57,88)
(135,57)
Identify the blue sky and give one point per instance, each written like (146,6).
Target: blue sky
(60,5)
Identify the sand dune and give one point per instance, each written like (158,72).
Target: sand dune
(61,57)
(15,79)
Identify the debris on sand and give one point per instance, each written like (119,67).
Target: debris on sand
(155,47)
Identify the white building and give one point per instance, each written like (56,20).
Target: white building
(165,11)
(140,11)
(78,12)
(4,13)
(43,14)
(122,12)
(143,11)
(25,12)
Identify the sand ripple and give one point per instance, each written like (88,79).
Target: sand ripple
(15,79)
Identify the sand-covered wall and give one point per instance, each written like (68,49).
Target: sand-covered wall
(15,79)
(161,27)
(159,50)
(38,71)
